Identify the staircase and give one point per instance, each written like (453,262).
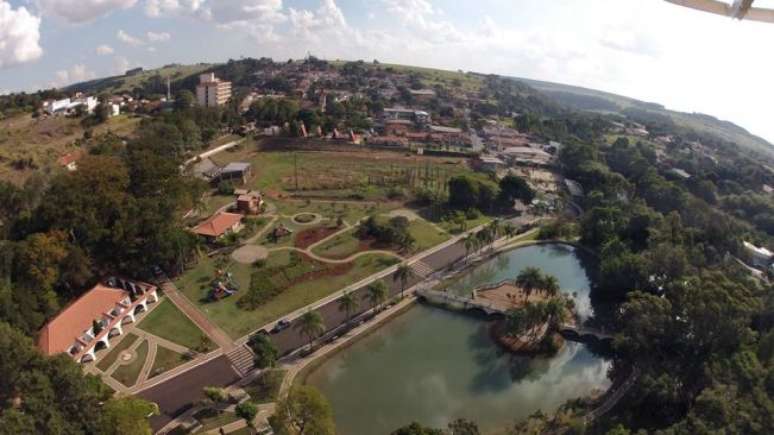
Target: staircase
(242,359)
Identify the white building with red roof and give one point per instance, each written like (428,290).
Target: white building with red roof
(89,322)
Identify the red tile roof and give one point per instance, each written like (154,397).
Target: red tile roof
(218,224)
(69,158)
(60,333)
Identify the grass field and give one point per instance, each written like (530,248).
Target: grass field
(426,235)
(341,246)
(45,140)
(349,211)
(453,228)
(166,360)
(111,357)
(212,418)
(368,175)
(166,321)
(238,322)
(127,374)
(265,388)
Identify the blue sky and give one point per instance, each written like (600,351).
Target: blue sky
(650,50)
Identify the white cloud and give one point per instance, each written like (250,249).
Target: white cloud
(104,50)
(157,8)
(158,37)
(76,73)
(19,36)
(81,11)
(120,65)
(129,39)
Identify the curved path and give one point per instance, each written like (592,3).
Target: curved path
(349,259)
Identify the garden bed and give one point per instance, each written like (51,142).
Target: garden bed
(307,238)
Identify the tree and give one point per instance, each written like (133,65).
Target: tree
(304,411)
(184,100)
(529,279)
(247,410)
(215,394)
(348,304)
(265,353)
(470,244)
(463,193)
(402,275)
(550,285)
(127,416)
(311,326)
(376,294)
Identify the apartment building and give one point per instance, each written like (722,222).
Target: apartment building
(211,91)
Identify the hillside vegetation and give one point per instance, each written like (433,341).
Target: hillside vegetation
(591,100)
(29,144)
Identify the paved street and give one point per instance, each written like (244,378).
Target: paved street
(174,395)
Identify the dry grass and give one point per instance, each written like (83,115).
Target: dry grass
(45,140)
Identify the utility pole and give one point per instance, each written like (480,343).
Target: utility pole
(295,165)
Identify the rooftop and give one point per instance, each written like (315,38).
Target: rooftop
(59,334)
(237,167)
(218,224)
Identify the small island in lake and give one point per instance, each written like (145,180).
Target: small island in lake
(536,310)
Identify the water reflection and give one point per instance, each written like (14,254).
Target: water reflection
(433,366)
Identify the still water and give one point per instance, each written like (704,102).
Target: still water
(433,366)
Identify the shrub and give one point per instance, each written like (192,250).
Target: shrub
(247,410)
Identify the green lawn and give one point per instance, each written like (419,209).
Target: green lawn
(213,419)
(347,244)
(453,228)
(341,246)
(238,322)
(111,357)
(166,321)
(426,235)
(349,211)
(265,388)
(127,374)
(166,360)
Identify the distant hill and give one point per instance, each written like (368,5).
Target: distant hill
(144,80)
(591,100)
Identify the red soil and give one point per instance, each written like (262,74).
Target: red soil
(307,238)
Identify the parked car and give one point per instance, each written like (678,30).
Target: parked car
(280,326)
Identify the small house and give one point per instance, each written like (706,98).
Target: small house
(219,225)
(238,172)
(248,202)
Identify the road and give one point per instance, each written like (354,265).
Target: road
(174,394)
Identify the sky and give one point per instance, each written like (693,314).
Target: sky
(645,49)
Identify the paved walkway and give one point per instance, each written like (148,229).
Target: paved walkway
(217,335)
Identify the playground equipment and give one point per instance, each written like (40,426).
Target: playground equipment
(223,286)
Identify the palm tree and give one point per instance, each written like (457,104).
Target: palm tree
(529,279)
(555,312)
(403,274)
(376,293)
(470,244)
(550,285)
(311,326)
(348,304)
(509,230)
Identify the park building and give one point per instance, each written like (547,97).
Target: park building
(89,323)
(211,91)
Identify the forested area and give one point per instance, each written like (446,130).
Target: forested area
(698,328)
(119,213)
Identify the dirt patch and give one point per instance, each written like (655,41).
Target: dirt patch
(307,238)
(249,254)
